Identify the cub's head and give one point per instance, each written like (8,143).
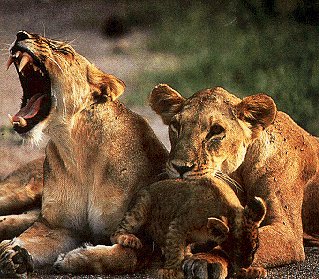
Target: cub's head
(238,236)
(57,82)
(211,130)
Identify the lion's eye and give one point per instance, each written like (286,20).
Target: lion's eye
(216,132)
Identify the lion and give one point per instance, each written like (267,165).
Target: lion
(100,154)
(260,147)
(178,212)
(20,198)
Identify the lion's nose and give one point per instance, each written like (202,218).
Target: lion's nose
(23,35)
(182,167)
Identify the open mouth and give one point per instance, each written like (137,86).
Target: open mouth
(35,81)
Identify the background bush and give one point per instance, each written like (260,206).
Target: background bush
(245,46)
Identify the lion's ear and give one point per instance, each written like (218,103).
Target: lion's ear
(218,228)
(166,102)
(255,210)
(112,87)
(104,85)
(258,110)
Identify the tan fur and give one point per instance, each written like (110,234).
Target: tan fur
(99,155)
(20,198)
(265,150)
(176,213)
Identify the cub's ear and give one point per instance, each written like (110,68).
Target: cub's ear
(166,102)
(258,110)
(255,210)
(104,86)
(218,229)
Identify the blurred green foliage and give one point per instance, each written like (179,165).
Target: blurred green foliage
(239,45)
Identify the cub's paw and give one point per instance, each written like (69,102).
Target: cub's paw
(201,269)
(251,272)
(169,273)
(127,240)
(14,260)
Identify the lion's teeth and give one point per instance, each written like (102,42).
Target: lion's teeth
(22,122)
(10,61)
(35,68)
(10,118)
(24,61)
(17,54)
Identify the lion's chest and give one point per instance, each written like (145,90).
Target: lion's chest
(87,207)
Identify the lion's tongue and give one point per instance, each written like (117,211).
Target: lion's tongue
(31,108)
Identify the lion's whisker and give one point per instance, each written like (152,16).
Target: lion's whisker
(55,63)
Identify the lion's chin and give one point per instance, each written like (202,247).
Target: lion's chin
(36,135)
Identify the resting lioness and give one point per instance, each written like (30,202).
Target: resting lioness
(179,212)
(262,148)
(100,154)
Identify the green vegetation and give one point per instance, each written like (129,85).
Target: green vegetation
(237,45)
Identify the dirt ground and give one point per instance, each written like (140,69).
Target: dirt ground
(80,22)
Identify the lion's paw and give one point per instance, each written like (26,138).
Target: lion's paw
(65,263)
(168,273)
(251,272)
(14,260)
(201,269)
(128,240)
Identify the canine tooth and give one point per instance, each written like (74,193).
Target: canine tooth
(10,118)
(10,61)
(35,68)
(24,61)
(17,54)
(22,122)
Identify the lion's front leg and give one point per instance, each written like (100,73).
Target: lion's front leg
(100,259)
(280,244)
(36,247)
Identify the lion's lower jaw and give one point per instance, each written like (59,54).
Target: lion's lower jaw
(35,136)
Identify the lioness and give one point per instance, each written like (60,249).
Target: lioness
(178,212)
(100,154)
(260,147)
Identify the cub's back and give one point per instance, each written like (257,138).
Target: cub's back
(189,202)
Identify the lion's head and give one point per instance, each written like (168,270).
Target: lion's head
(211,130)
(56,81)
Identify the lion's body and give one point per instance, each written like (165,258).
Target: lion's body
(178,212)
(283,165)
(99,155)
(264,150)
(115,157)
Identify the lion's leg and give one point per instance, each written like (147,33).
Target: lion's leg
(174,251)
(100,259)
(215,265)
(13,225)
(133,220)
(38,246)
(280,244)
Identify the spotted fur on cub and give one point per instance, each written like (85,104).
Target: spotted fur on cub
(178,212)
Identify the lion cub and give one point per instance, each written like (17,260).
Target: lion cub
(178,212)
